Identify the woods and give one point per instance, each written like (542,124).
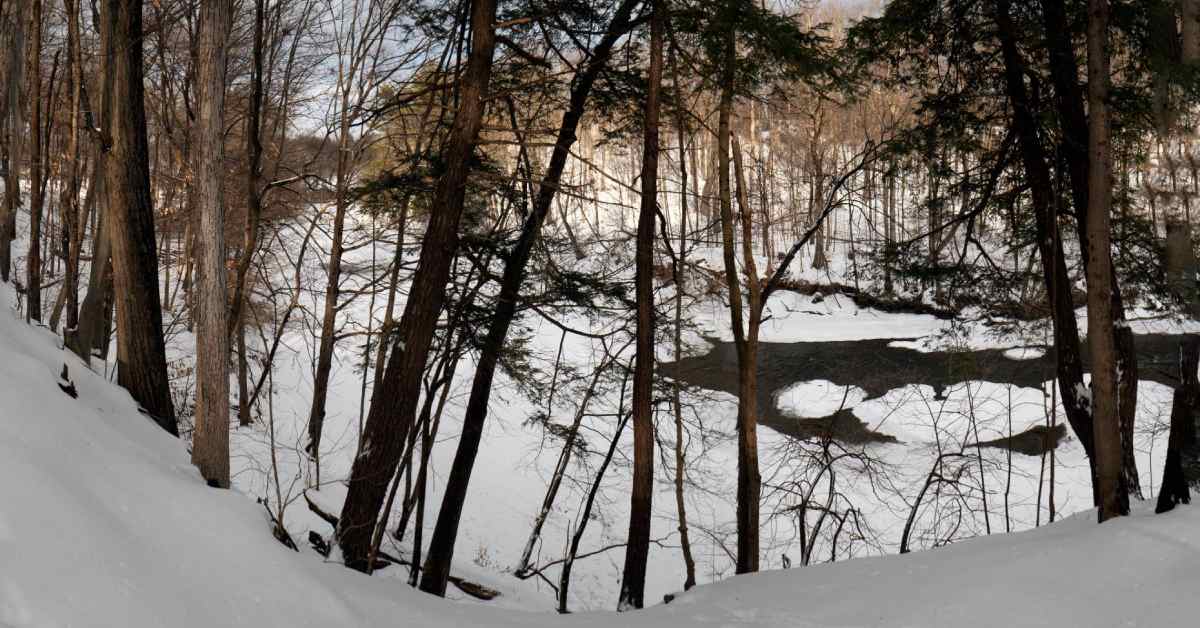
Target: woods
(622,282)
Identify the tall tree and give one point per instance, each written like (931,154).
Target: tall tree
(141,351)
(749,482)
(33,260)
(12,69)
(210,441)
(680,264)
(393,405)
(1023,121)
(70,210)
(637,547)
(360,44)
(1073,145)
(441,546)
(1114,501)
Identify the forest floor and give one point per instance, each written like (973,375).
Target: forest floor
(106,523)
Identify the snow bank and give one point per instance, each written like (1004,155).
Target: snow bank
(105,523)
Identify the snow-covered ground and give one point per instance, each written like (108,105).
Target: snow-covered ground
(106,523)
(873,486)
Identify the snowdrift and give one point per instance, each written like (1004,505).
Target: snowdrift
(104,522)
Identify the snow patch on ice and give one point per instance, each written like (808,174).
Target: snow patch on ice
(817,398)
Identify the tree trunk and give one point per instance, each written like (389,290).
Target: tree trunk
(637,548)
(394,403)
(210,440)
(1181,444)
(748,480)
(10,127)
(316,416)
(71,211)
(685,545)
(1190,30)
(1114,501)
(441,547)
(254,151)
(1074,147)
(1069,366)
(33,260)
(141,354)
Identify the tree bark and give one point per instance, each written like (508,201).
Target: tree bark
(1069,365)
(141,353)
(394,404)
(637,547)
(748,481)
(210,440)
(10,125)
(1190,30)
(685,545)
(71,211)
(1181,443)
(1114,501)
(33,260)
(1074,147)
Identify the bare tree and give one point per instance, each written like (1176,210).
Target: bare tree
(1114,501)
(394,403)
(141,351)
(210,440)
(37,192)
(637,549)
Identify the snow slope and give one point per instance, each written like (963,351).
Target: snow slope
(105,523)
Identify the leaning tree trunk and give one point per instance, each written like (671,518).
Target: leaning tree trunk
(141,352)
(441,546)
(394,404)
(210,440)
(637,547)
(685,544)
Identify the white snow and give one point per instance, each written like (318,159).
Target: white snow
(106,523)
(818,398)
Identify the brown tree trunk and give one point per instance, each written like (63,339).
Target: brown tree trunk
(141,353)
(1181,443)
(637,547)
(1074,146)
(71,211)
(93,328)
(393,405)
(254,151)
(1114,501)
(1190,30)
(33,260)
(210,440)
(685,545)
(749,481)
(316,416)
(13,39)
(1069,366)
(748,477)
(441,545)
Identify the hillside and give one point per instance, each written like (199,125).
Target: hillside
(106,523)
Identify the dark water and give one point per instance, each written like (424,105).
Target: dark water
(876,368)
